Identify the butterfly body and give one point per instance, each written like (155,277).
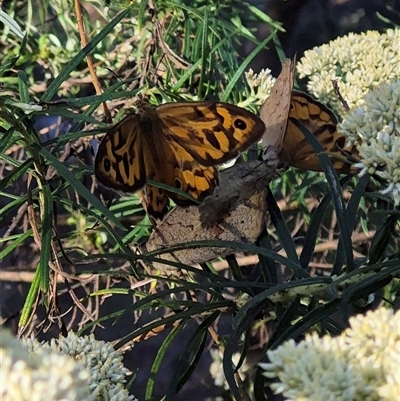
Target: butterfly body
(177,144)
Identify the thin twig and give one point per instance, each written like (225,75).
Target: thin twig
(89,60)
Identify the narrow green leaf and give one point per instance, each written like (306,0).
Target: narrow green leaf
(186,314)
(382,237)
(23,86)
(203,52)
(279,48)
(305,323)
(189,358)
(336,191)
(19,239)
(352,215)
(265,18)
(30,300)
(263,296)
(141,13)
(238,74)
(162,351)
(77,185)
(282,229)
(47,231)
(313,232)
(234,267)
(299,272)
(267,265)
(15,174)
(64,74)
(285,322)
(11,24)
(11,208)
(7,140)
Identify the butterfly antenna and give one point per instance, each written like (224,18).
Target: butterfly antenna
(336,90)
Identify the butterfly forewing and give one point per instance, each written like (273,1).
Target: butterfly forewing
(210,132)
(119,162)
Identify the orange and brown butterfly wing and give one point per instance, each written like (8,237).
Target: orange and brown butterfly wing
(119,162)
(322,123)
(211,132)
(275,110)
(196,180)
(168,163)
(137,150)
(125,160)
(154,200)
(199,135)
(190,176)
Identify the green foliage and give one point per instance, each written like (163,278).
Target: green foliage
(183,50)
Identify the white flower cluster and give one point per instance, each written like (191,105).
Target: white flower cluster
(71,368)
(39,376)
(375,130)
(260,86)
(359,62)
(360,364)
(102,362)
(217,370)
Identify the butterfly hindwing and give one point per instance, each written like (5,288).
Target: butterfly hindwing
(195,179)
(322,123)
(154,200)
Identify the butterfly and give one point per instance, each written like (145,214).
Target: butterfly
(178,144)
(282,106)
